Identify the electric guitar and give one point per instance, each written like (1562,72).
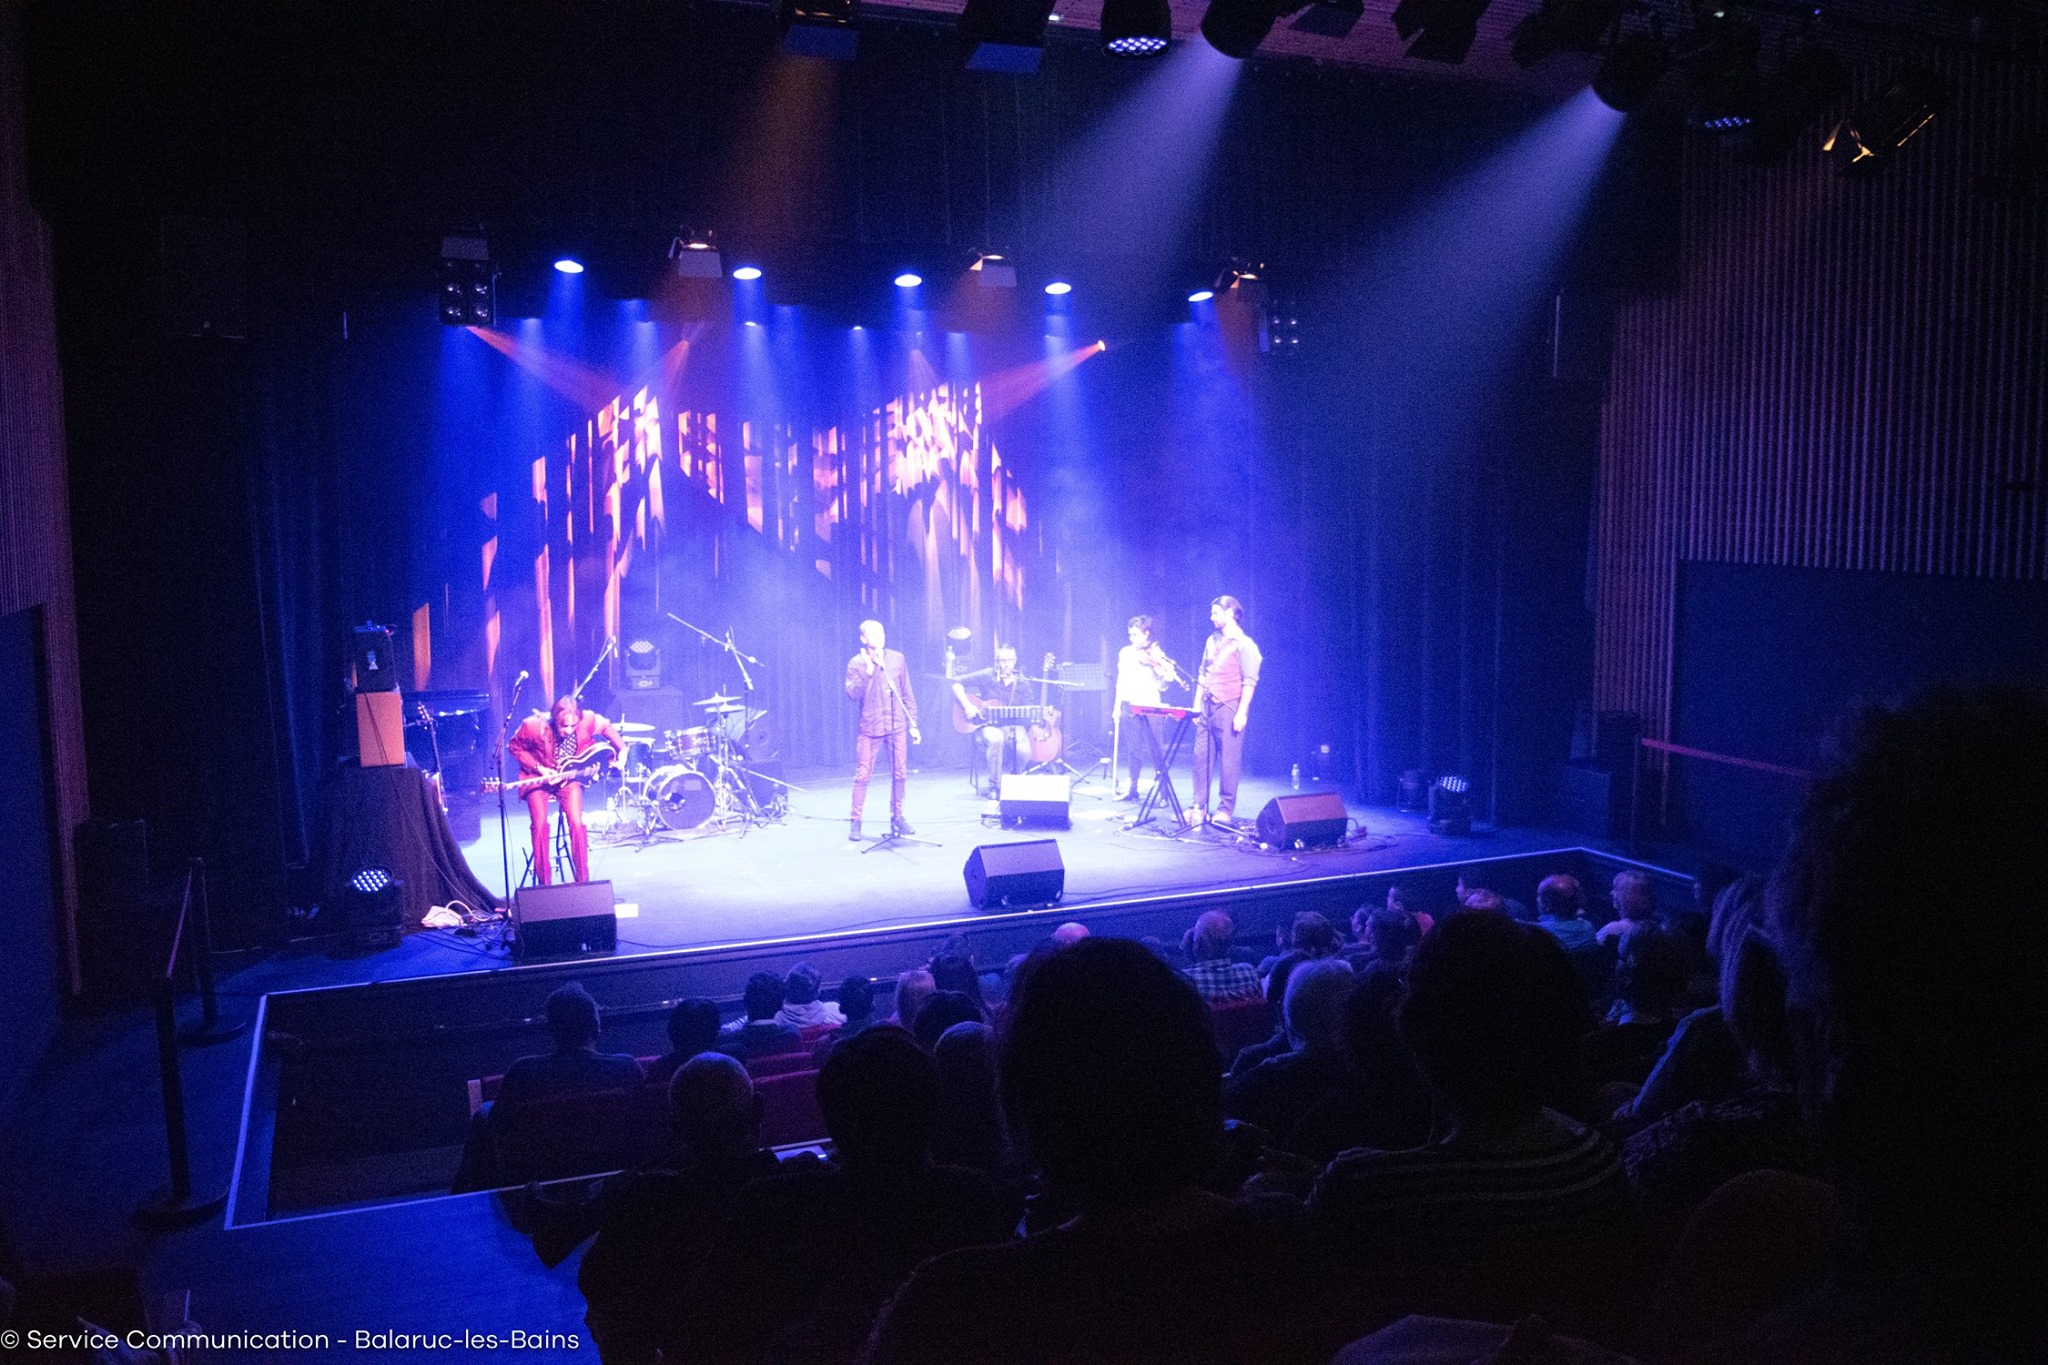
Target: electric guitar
(586,765)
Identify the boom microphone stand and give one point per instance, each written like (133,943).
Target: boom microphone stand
(498,762)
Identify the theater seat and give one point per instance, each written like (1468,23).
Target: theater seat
(551,1139)
(780,1062)
(1240,1023)
(814,1034)
(789,1108)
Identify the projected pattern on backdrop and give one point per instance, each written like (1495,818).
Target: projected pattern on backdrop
(908,511)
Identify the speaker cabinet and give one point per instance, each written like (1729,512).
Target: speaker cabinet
(1014,876)
(564,921)
(1037,800)
(380,729)
(1309,820)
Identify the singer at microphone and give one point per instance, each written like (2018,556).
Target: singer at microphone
(879,681)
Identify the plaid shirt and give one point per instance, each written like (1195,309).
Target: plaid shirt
(1220,980)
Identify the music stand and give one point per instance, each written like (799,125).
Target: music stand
(1162,792)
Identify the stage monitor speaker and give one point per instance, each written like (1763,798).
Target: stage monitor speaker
(1014,876)
(563,921)
(1308,820)
(1038,800)
(380,729)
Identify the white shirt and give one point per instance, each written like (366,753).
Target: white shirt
(1136,683)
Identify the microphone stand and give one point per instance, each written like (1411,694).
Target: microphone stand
(498,762)
(724,642)
(893,838)
(609,646)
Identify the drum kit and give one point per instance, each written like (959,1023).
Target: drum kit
(693,779)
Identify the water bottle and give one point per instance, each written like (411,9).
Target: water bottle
(1294,776)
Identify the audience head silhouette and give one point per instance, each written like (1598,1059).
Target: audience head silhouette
(715,1110)
(572,1017)
(878,1092)
(763,995)
(693,1027)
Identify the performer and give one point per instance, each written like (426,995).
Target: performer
(544,747)
(1223,701)
(1001,685)
(878,679)
(1142,672)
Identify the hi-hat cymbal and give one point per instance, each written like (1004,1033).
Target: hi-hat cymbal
(719,699)
(733,709)
(633,727)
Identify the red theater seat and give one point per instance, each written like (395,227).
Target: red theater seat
(789,1108)
(552,1139)
(815,1034)
(1240,1023)
(781,1062)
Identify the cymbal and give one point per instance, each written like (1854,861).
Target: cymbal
(734,709)
(633,727)
(718,699)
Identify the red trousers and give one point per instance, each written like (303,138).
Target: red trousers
(899,769)
(571,798)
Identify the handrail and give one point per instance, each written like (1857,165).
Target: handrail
(1755,764)
(177,1207)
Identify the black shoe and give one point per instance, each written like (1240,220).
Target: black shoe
(901,826)
(853,830)
(1131,795)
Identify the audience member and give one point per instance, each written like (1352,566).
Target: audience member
(762,1033)
(1635,902)
(1216,975)
(807,1258)
(1561,911)
(1914,1048)
(654,1227)
(692,1028)
(1490,901)
(801,1007)
(1314,936)
(1406,898)
(1070,932)
(1703,1061)
(943,1010)
(969,1128)
(913,988)
(1154,1268)
(1276,995)
(1474,880)
(1504,1212)
(575,1066)
(857,1004)
(1382,1102)
(1649,972)
(957,972)
(1277,1093)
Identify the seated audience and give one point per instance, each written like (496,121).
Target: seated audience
(801,1007)
(1649,972)
(762,1033)
(913,988)
(1276,996)
(956,972)
(1506,1212)
(692,1028)
(1278,1092)
(1383,1101)
(1407,899)
(1384,935)
(1070,932)
(941,1012)
(575,1066)
(1309,935)
(969,1131)
(1217,977)
(1561,911)
(1908,920)
(1482,899)
(1479,881)
(1635,902)
(1153,1268)
(857,1004)
(653,1227)
(807,1258)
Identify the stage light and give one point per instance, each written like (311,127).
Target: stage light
(1136,28)
(1201,296)
(373,908)
(1450,806)
(1630,71)
(1562,26)
(695,255)
(1235,28)
(643,666)
(1004,35)
(468,283)
(1058,288)
(993,270)
(819,28)
(1443,30)
(1864,143)
(569,266)
(1792,102)
(747,272)
(909,280)
(1719,58)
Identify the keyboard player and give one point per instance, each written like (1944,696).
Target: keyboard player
(1007,748)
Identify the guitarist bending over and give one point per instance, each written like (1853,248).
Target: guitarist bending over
(557,754)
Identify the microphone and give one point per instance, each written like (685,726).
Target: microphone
(523,676)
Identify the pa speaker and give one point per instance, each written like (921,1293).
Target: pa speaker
(376,665)
(1012,876)
(1039,800)
(1310,820)
(562,921)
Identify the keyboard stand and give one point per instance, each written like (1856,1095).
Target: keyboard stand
(1162,793)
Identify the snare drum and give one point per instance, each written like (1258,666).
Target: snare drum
(681,746)
(681,796)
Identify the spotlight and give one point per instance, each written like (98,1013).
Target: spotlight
(569,266)
(819,28)
(1235,28)
(1201,296)
(467,282)
(1058,288)
(1791,102)
(1136,28)
(1443,29)
(1630,71)
(993,270)
(909,280)
(373,908)
(1004,35)
(747,272)
(1720,59)
(695,255)
(1450,806)
(1562,26)
(643,666)
(1865,142)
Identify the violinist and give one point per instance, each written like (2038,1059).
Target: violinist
(1142,672)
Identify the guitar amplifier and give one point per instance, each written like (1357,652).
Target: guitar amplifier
(380,729)
(564,921)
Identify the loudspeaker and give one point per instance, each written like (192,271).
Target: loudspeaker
(1040,800)
(1310,820)
(1012,876)
(1591,800)
(376,665)
(380,729)
(562,921)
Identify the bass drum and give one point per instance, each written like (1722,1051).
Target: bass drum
(682,798)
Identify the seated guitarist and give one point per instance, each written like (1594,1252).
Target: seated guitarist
(1001,685)
(548,748)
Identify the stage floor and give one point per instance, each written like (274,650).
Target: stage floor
(803,877)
